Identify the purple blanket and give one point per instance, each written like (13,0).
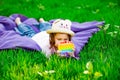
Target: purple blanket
(10,39)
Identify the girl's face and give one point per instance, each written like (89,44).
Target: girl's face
(60,37)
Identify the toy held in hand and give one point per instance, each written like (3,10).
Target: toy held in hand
(66,49)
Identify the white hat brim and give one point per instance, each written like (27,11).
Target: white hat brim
(60,31)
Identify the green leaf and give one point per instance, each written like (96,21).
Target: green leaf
(97,75)
(106,27)
(89,66)
(86,72)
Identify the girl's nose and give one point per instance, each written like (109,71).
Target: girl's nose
(64,41)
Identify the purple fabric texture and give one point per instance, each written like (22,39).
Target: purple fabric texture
(10,39)
(83,31)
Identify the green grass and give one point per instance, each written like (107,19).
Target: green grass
(102,49)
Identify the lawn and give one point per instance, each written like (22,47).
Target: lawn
(101,53)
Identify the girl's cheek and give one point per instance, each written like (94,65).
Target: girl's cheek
(56,44)
(66,41)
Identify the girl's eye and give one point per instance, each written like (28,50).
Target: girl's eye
(61,24)
(59,39)
(66,39)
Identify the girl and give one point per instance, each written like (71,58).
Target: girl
(50,39)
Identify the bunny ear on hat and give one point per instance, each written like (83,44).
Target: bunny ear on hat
(68,21)
(57,20)
(64,28)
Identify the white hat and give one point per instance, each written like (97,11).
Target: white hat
(61,26)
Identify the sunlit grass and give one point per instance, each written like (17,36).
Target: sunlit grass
(102,50)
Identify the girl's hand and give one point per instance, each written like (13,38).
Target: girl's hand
(71,54)
(59,54)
